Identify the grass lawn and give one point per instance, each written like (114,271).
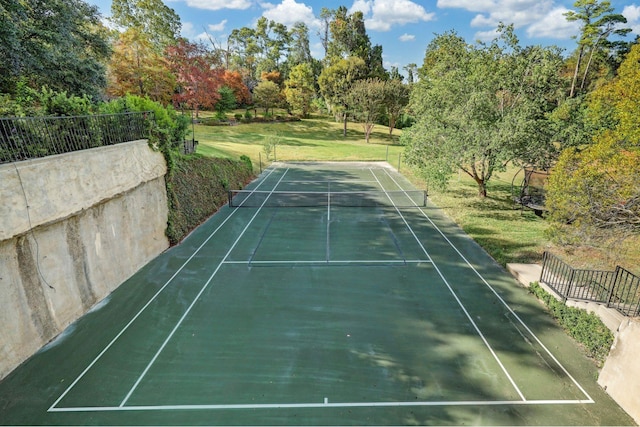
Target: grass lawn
(507,232)
(310,139)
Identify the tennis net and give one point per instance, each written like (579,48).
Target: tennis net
(249,198)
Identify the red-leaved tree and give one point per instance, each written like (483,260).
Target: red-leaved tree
(199,75)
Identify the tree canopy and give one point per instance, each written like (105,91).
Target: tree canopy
(54,43)
(478,107)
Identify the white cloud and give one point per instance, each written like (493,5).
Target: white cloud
(554,26)
(363,6)
(188,30)
(540,18)
(289,13)
(219,27)
(381,15)
(470,5)
(220,4)
(407,37)
(486,36)
(632,13)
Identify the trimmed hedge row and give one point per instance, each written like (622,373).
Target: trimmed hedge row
(197,187)
(584,327)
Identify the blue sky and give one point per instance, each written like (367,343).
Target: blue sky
(403,27)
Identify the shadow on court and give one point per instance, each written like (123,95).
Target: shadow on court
(315,315)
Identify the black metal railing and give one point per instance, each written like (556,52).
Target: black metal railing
(619,289)
(23,138)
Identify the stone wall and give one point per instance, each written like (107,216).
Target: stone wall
(620,375)
(72,228)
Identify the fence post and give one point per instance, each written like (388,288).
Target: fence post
(613,286)
(544,264)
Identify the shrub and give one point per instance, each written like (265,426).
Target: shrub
(584,327)
(197,187)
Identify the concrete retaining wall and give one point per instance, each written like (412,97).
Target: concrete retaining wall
(72,228)
(620,375)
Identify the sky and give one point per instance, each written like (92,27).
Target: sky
(403,28)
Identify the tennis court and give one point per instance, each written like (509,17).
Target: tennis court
(326,294)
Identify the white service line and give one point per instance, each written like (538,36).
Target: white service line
(335,261)
(464,309)
(184,316)
(590,400)
(95,360)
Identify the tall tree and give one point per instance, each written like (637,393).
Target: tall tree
(299,51)
(336,81)
(300,88)
(266,95)
(366,98)
(136,68)
(348,36)
(411,70)
(199,75)
(597,24)
(160,23)
(60,44)
(396,98)
(233,80)
(481,107)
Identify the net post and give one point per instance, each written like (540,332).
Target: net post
(230,196)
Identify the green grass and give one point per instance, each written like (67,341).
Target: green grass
(508,233)
(311,139)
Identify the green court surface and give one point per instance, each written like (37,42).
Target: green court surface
(329,296)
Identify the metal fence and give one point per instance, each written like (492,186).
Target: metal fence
(23,138)
(619,289)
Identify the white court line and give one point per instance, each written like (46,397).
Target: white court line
(464,309)
(325,262)
(346,181)
(204,287)
(95,360)
(590,400)
(325,404)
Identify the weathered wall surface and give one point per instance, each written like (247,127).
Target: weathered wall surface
(72,228)
(620,375)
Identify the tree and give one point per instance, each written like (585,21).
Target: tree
(597,189)
(347,37)
(396,98)
(598,23)
(233,80)
(159,23)
(411,72)
(137,69)
(595,192)
(299,88)
(480,107)
(366,98)
(226,101)
(336,81)
(299,50)
(198,73)
(266,95)
(60,44)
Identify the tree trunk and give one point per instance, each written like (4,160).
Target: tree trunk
(575,72)
(482,187)
(344,119)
